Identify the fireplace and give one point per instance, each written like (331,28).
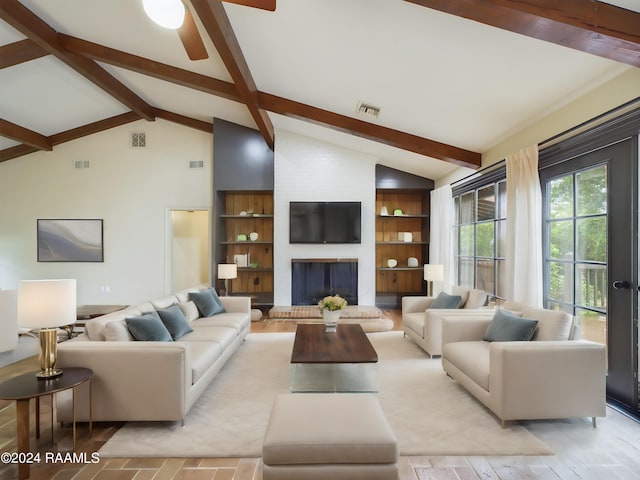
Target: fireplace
(313,279)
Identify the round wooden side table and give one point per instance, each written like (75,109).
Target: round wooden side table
(23,388)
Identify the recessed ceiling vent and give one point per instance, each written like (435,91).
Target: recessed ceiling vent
(195,164)
(81,164)
(138,139)
(368,110)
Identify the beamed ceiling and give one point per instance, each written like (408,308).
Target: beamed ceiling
(452,78)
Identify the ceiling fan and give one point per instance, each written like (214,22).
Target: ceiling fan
(170,12)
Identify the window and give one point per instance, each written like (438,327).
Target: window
(576,224)
(480,237)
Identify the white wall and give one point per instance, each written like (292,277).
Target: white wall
(311,170)
(131,189)
(618,91)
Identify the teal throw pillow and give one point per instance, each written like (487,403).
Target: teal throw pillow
(148,328)
(508,327)
(208,302)
(153,313)
(444,300)
(175,321)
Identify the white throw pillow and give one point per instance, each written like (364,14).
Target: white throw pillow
(190,310)
(117,331)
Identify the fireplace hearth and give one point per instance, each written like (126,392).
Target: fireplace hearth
(314,279)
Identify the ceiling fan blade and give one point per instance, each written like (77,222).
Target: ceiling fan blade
(262,4)
(191,38)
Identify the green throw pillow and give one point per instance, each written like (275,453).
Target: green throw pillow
(208,302)
(444,300)
(148,328)
(507,327)
(175,321)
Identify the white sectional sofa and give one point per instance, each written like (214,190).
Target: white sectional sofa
(151,380)
(423,324)
(551,376)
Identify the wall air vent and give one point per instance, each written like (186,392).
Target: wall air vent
(195,164)
(81,164)
(367,110)
(138,139)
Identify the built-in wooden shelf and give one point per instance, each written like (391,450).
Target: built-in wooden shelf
(256,282)
(392,283)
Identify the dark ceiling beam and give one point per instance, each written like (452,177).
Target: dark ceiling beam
(218,27)
(151,68)
(20,52)
(268,102)
(24,135)
(30,25)
(94,127)
(15,152)
(68,135)
(206,127)
(588,25)
(370,131)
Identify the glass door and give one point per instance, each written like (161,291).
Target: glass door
(590,259)
(576,248)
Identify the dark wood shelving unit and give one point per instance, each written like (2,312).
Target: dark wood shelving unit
(411,195)
(255,281)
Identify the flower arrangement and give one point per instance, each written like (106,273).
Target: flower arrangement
(332,303)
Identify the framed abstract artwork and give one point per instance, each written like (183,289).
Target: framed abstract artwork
(64,240)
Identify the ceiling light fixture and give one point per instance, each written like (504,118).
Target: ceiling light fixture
(166,13)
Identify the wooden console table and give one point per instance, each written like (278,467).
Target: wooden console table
(87,312)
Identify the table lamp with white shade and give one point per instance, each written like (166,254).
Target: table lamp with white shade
(433,273)
(45,305)
(226,272)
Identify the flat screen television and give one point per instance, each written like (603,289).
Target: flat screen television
(324,222)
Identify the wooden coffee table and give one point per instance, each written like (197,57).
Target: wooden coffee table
(340,361)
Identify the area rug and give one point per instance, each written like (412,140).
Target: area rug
(429,413)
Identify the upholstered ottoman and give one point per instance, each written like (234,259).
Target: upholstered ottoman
(329,436)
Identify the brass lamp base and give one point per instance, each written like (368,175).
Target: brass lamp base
(47,374)
(48,350)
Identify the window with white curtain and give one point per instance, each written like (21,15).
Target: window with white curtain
(479,236)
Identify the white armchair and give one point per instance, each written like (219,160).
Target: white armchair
(423,324)
(551,376)
(8,320)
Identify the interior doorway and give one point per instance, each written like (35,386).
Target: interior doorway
(189,248)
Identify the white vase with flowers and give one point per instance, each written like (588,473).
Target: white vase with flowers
(330,307)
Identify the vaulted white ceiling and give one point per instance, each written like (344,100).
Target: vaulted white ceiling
(434,75)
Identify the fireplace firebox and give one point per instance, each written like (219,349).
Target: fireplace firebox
(314,279)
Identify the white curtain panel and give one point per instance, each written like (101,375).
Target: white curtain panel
(440,246)
(524,228)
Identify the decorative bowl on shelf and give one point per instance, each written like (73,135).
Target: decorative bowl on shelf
(392,262)
(253,236)
(412,262)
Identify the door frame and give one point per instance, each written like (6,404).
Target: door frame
(168,244)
